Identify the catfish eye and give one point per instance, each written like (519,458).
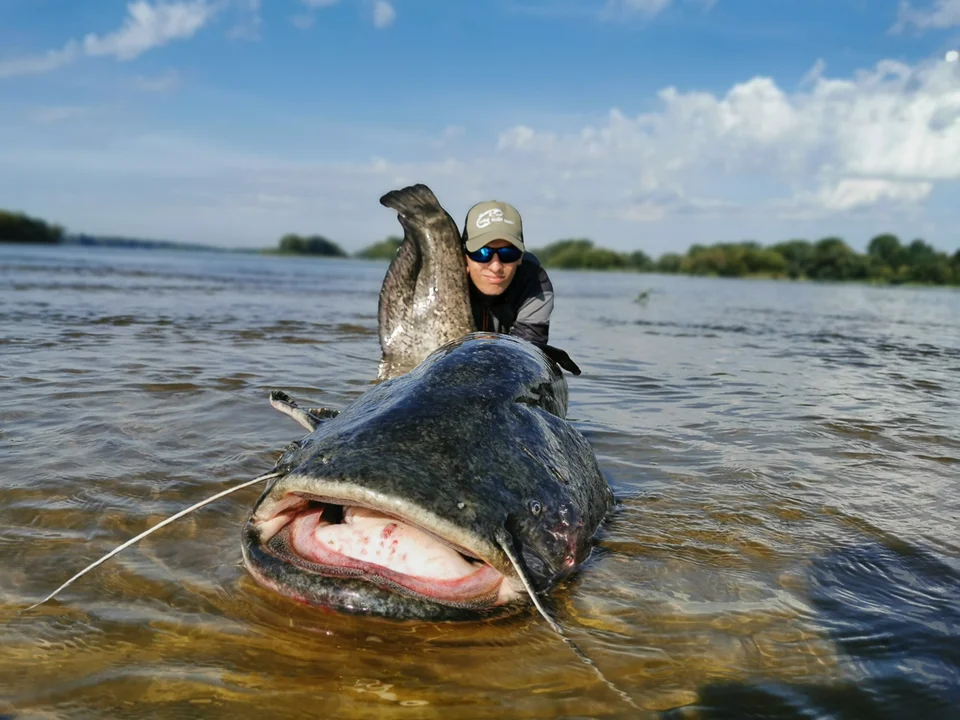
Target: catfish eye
(535,507)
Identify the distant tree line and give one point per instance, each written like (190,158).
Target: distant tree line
(319,245)
(115,241)
(20,228)
(887,259)
(580,253)
(383,250)
(309,245)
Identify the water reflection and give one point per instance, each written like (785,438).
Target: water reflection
(894,612)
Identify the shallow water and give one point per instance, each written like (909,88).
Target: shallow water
(787,456)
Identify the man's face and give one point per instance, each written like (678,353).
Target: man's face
(494,277)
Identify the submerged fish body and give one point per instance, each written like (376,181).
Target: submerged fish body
(410,502)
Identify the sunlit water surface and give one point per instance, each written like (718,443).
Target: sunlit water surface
(786,455)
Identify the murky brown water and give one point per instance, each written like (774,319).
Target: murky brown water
(788,457)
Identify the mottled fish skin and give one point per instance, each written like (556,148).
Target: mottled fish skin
(471,442)
(425,298)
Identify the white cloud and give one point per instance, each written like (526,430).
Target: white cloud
(167,82)
(40,63)
(247,26)
(302,21)
(452,132)
(623,9)
(942,14)
(383,14)
(57,113)
(853,193)
(759,159)
(644,7)
(814,73)
(146,27)
(886,134)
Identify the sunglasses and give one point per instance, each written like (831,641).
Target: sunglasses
(508,254)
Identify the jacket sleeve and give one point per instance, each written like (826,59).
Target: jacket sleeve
(533,315)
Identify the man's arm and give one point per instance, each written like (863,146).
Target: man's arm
(533,316)
(533,320)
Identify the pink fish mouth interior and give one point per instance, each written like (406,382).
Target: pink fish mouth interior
(352,541)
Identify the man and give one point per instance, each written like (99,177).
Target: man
(510,292)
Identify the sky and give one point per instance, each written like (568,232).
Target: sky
(640,124)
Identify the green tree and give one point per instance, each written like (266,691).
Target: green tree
(290,243)
(926,265)
(765,261)
(566,249)
(602,259)
(21,228)
(834,260)
(383,250)
(639,260)
(886,250)
(732,260)
(310,245)
(798,256)
(669,263)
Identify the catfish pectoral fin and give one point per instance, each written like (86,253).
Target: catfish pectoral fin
(323,413)
(309,418)
(560,357)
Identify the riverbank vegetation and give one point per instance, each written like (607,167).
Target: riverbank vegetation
(116,241)
(383,250)
(887,259)
(293,244)
(20,228)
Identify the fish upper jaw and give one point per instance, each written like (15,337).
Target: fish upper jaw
(327,540)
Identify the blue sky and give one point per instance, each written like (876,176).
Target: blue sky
(642,124)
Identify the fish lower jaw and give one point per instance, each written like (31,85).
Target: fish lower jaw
(330,543)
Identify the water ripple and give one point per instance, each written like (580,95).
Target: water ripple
(786,544)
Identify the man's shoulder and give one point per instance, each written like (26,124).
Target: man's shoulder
(533,301)
(531,259)
(531,267)
(531,281)
(534,274)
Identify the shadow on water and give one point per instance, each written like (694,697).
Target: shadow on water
(894,612)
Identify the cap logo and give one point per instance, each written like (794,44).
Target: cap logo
(491,216)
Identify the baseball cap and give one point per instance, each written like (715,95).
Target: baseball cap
(492,220)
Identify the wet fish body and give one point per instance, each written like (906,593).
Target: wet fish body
(466,459)
(424,299)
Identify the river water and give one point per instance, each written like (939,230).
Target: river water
(787,456)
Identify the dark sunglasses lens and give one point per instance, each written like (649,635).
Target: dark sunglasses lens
(509,254)
(485,254)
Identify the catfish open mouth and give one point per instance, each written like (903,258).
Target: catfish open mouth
(322,538)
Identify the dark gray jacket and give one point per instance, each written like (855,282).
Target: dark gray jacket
(523,309)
